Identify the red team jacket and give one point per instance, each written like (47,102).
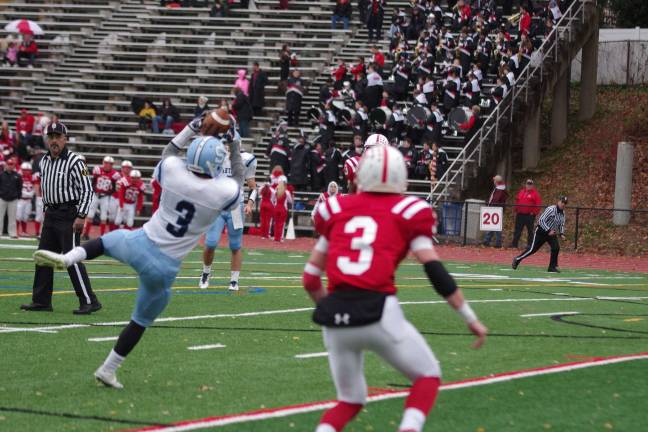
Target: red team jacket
(369,235)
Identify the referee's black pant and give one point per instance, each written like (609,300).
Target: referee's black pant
(58,236)
(540,237)
(523,221)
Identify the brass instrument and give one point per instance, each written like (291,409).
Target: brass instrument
(515,18)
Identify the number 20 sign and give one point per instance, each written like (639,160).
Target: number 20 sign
(490,219)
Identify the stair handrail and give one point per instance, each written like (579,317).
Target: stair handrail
(474,147)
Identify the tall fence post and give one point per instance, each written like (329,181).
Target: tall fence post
(465,224)
(576,230)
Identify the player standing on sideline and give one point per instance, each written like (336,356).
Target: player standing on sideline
(113,208)
(234,222)
(194,195)
(351,164)
(363,239)
(550,225)
(104,179)
(131,199)
(24,205)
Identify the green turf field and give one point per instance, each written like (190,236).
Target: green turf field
(46,367)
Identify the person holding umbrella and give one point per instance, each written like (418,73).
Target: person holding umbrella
(27,50)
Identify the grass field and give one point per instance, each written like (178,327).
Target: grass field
(46,366)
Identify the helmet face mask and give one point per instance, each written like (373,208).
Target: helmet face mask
(382,169)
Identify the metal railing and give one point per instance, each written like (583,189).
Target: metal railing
(489,133)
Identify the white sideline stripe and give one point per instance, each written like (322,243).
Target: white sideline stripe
(47,329)
(103,339)
(308,309)
(205,347)
(312,355)
(289,411)
(18,329)
(548,314)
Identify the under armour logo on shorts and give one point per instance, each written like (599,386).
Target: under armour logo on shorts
(342,319)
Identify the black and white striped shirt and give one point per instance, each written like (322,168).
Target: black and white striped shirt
(66,179)
(552,219)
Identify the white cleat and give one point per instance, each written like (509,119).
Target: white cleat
(108,379)
(233,286)
(49,259)
(204,281)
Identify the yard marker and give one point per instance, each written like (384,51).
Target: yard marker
(205,347)
(268,413)
(312,355)
(103,339)
(548,314)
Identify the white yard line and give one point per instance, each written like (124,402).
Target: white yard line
(205,347)
(103,339)
(548,314)
(308,309)
(312,355)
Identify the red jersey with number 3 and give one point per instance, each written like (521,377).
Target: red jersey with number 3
(368,235)
(104,181)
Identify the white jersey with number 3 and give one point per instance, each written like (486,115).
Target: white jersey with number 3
(188,206)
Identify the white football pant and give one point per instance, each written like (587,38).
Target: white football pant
(103,203)
(393,338)
(113,209)
(39,210)
(23,210)
(126,215)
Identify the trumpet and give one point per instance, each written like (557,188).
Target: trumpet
(514,19)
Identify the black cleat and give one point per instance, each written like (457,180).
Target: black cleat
(553,270)
(36,307)
(87,309)
(515,263)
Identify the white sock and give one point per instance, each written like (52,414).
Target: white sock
(76,255)
(113,361)
(413,420)
(325,428)
(235,276)
(207,268)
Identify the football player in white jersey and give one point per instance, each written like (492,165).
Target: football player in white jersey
(194,195)
(234,222)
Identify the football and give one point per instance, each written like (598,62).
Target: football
(216,122)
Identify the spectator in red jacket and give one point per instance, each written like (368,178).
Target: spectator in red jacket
(525,21)
(525,212)
(27,51)
(339,74)
(24,130)
(497,199)
(358,69)
(378,58)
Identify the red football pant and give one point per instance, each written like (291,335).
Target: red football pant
(266,216)
(280,215)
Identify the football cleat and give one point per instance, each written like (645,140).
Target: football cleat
(553,270)
(49,259)
(515,263)
(233,286)
(107,378)
(204,281)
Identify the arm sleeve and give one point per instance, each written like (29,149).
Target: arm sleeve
(84,187)
(321,219)
(238,169)
(179,142)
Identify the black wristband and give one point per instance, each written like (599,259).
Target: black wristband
(443,283)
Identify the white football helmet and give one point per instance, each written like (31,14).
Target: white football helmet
(108,159)
(136,174)
(382,169)
(25,166)
(127,163)
(376,140)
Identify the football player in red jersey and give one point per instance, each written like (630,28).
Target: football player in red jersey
(131,198)
(104,178)
(351,164)
(24,206)
(363,239)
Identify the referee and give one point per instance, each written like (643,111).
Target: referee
(67,193)
(550,224)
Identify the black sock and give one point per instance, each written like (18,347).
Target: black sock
(93,248)
(128,338)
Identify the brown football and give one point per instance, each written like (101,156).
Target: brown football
(215,122)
